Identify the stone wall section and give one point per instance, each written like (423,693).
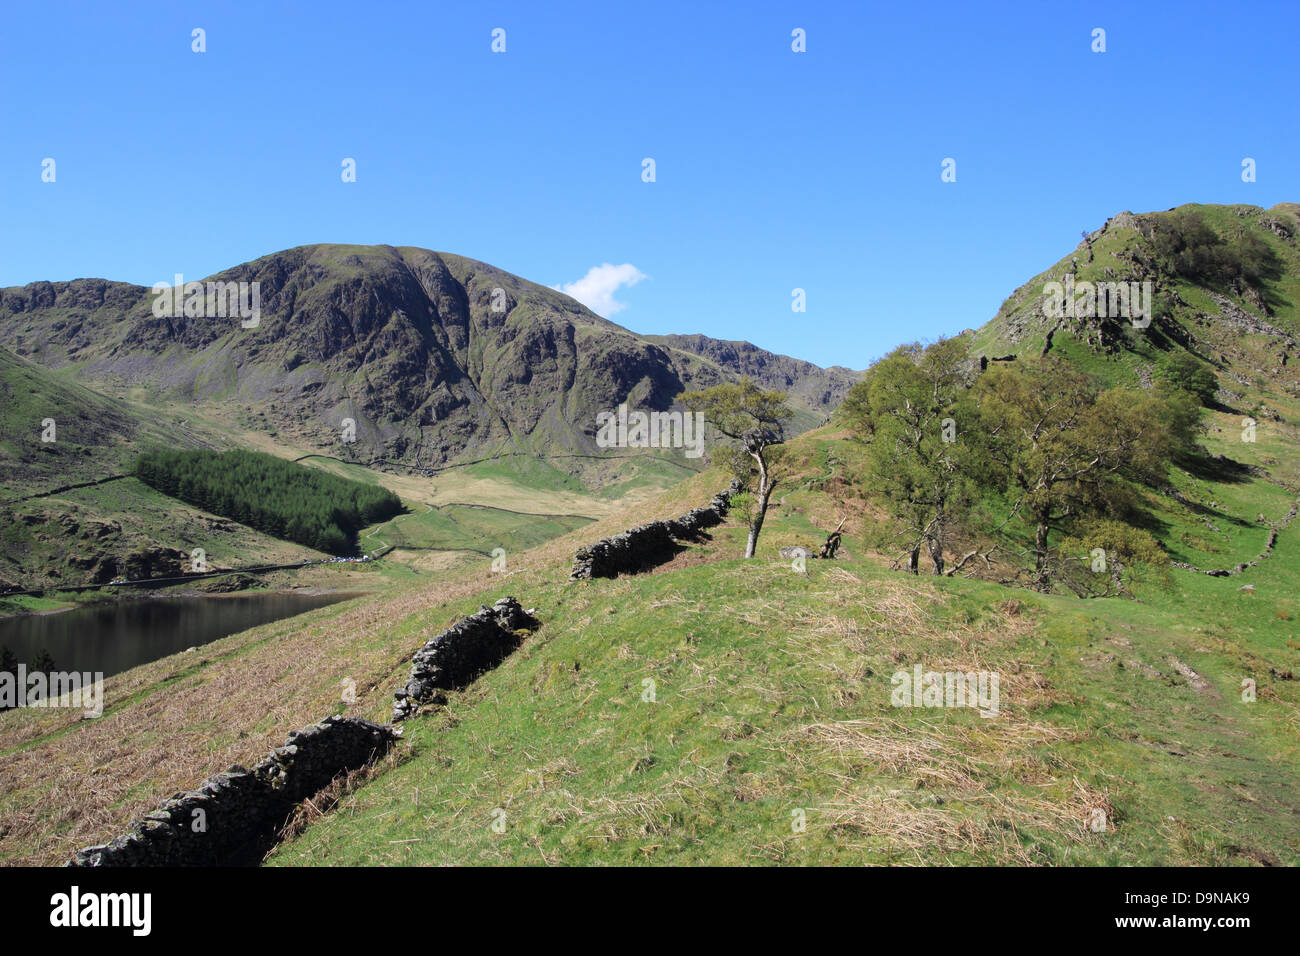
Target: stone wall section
(648,545)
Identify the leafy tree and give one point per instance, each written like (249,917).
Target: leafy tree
(1104,556)
(1061,444)
(1187,372)
(1186,244)
(913,409)
(755,418)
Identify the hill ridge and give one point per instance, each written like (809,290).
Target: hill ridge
(435,356)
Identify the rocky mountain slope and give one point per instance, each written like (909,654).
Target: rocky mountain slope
(808,385)
(435,357)
(1224,284)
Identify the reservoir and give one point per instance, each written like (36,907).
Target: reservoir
(115,637)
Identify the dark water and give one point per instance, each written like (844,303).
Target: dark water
(115,637)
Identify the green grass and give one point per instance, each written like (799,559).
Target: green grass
(27,603)
(470,528)
(647,473)
(344,469)
(773,696)
(773,702)
(116,518)
(528,471)
(94,437)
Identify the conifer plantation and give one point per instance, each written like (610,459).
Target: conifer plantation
(273,495)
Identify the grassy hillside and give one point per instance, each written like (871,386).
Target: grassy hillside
(772,695)
(93,437)
(472,528)
(765,707)
(73,537)
(1243,332)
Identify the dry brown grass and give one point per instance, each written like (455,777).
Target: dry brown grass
(949,788)
(227,702)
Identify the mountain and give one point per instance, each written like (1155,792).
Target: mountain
(435,357)
(808,385)
(1225,288)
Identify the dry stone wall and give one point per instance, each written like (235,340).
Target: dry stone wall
(1269,545)
(650,544)
(232,816)
(461,653)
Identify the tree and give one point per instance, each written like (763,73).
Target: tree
(756,419)
(1061,443)
(1105,553)
(278,497)
(1193,376)
(914,411)
(1185,243)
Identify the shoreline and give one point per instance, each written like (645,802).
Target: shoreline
(187,592)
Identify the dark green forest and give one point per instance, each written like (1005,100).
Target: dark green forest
(275,496)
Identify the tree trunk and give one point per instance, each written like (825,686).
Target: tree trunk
(934,540)
(1040,553)
(760,510)
(936,555)
(832,542)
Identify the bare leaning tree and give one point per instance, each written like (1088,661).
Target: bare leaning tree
(756,419)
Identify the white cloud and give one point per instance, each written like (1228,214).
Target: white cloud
(596,289)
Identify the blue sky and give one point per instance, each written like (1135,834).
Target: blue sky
(775,170)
